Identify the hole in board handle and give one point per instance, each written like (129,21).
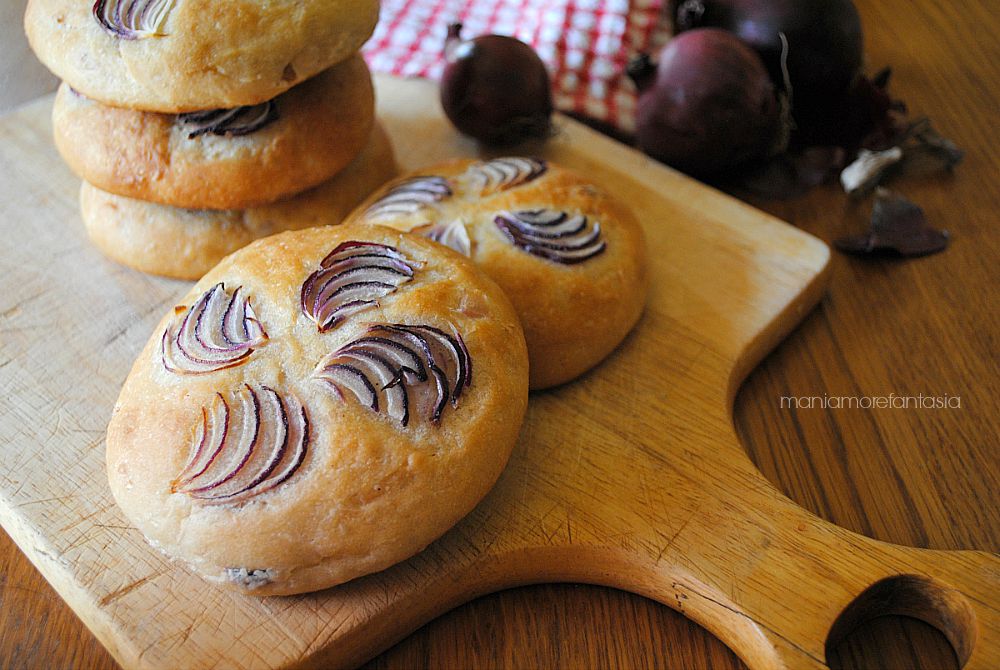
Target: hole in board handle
(914,596)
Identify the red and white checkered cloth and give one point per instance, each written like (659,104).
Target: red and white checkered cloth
(585,44)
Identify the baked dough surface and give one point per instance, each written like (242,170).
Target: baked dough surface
(574,314)
(187,243)
(211,54)
(370,492)
(321,126)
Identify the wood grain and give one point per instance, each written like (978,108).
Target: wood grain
(922,478)
(919,326)
(928,325)
(620,478)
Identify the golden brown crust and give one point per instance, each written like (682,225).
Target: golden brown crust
(370,492)
(185,243)
(214,55)
(573,315)
(321,126)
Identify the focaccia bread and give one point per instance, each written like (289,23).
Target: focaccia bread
(322,404)
(220,159)
(569,255)
(187,55)
(187,243)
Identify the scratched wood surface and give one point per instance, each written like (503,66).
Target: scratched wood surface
(915,478)
(631,477)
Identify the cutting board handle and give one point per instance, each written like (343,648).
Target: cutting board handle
(935,602)
(781,595)
(846,580)
(783,587)
(774,582)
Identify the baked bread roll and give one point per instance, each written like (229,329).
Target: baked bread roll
(569,255)
(220,159)
(187,243)
(187,55)
(322,404)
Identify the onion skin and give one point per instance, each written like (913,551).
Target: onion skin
(825,49)
(495,89)
(708,106)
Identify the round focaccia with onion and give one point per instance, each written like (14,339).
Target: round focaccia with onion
(220,158)
(321,405)
(570,256)
(176,56)
(187,243)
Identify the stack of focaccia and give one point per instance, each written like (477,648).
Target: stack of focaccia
(199,126)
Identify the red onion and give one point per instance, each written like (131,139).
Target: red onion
(236,121)
(552,235)
(396,367)
(218,331)
(133,19)
(409,197)
(247,449)
(824,48)
(446,352)
(495,88)
(351,278)
(500,174)
(708,105)
(453,235)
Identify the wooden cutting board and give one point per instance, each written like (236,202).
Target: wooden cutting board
(630,477)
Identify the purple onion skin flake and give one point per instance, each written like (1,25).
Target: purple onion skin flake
(898,228)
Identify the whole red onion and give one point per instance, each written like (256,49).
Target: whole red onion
(824,48)
(708,105)
(495,88)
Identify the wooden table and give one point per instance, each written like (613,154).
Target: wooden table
(926,478)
